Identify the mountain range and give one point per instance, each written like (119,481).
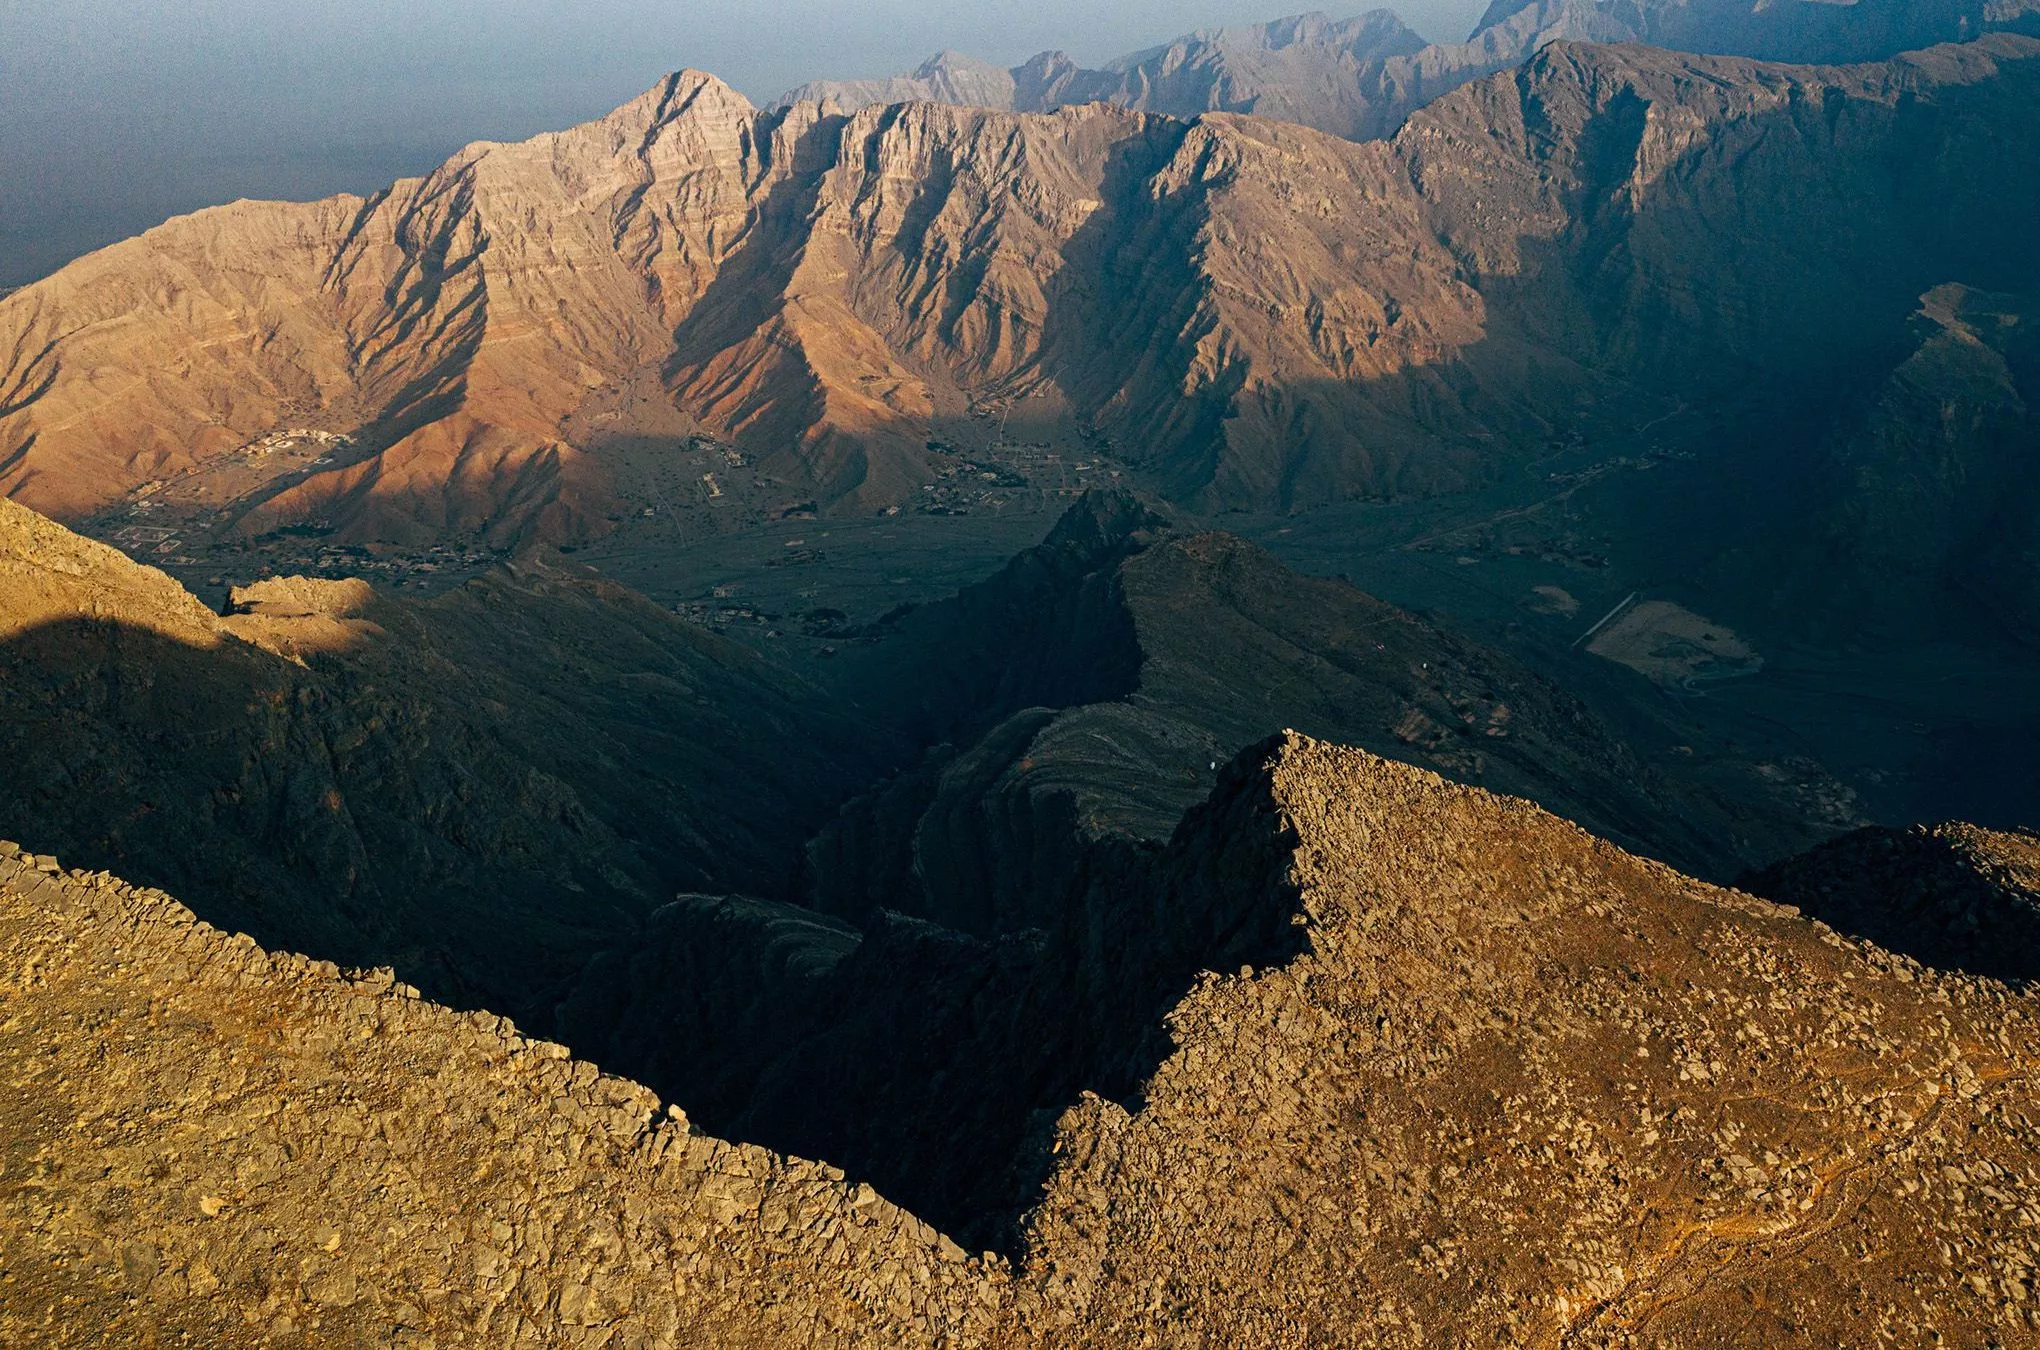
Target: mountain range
(1362,77)
(1248,313)
(1307,689)
(1453,1067)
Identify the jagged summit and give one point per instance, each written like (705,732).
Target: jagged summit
(1794,30)
(1361,77)
(681,93)
(1364,34)
(1309,68)
(1102,519)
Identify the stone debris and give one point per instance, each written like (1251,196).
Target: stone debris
(1526,1089)
(1517,1087)
(204,1141)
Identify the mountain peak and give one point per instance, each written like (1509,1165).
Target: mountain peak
(950,61)
(1103,520)
(679,92)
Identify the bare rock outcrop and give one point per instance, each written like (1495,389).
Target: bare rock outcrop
(209,1141)
(1522,1089)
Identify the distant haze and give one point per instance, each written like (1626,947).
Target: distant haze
(115,114)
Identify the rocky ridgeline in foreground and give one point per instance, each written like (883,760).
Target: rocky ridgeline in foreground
(207,1138)
(1515,1087)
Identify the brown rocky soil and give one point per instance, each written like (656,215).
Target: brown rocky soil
(1526,1090)
(1509,1086)
(257,1150)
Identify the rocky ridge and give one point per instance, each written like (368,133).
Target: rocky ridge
(1798,30)
(1525,1087)
(1362,77)
(1356,78)
(1505,1080)
(253,1148)
(496,791)
(516,775)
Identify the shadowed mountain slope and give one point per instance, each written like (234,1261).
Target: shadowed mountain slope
(1808,31)
(1953,896)
(979,913)
(1095,685)
(1925,502)
(544,755)
(1499,1081)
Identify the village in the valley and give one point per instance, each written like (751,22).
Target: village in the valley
(190,524)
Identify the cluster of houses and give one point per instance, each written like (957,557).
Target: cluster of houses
(289,440)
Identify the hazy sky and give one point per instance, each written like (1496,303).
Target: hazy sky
(117,113)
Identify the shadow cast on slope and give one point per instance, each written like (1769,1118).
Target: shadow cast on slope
(483,825)
(1951,897)
(285,803)
(932,1063)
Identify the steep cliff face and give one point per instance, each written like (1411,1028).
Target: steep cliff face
(1254,313)
(1359,1054)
